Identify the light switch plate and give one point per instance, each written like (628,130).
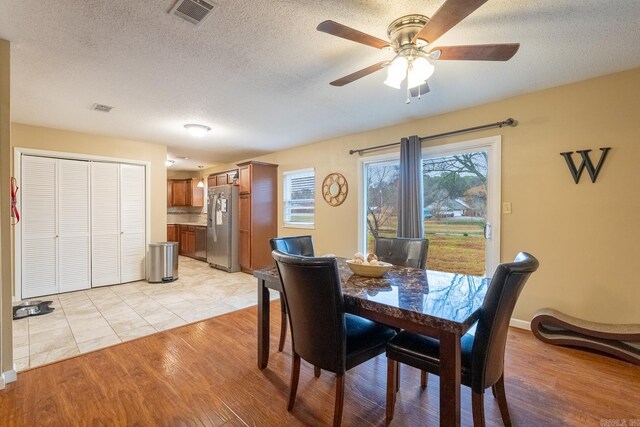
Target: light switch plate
(506,208)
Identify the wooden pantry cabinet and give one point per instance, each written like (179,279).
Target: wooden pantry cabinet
(184,192)
(257,213)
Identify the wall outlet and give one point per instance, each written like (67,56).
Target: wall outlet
(506,208)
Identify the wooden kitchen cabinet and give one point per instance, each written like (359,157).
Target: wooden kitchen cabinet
(222,178)
(201,243)
(244,179)
(184,192)
(187,244)
(258,215)
(173,233)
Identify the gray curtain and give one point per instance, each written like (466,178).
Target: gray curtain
(410,199)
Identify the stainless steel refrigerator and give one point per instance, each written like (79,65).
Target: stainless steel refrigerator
(222,228)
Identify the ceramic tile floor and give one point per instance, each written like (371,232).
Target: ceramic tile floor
(95,318)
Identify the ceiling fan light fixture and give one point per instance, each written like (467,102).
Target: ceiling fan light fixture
(419,72)
(397,71)
(168,162)
(197,130)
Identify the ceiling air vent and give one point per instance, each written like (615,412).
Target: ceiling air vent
(193,11)
(101,107)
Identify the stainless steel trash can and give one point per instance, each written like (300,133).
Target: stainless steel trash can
(163,262)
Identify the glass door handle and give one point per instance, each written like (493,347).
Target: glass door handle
(487,231)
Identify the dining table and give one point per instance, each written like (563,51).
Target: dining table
(432,303)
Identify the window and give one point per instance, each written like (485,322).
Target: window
(298,198)
(381,201)
(461,211)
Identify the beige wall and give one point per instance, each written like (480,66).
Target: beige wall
(585,235)
(6,352)
(173,174)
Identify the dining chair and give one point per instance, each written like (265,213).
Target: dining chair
(482,352)
(402,251)
(295,245)
(321,332)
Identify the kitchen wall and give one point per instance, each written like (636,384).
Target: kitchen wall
(585,236)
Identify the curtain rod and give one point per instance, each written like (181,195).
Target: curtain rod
(509,122)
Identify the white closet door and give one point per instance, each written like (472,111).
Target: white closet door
(105,224)
(74,241)
(132,223)
(39,275)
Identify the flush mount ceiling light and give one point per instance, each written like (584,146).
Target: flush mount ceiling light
(168,163)
(196,129)
(412,39)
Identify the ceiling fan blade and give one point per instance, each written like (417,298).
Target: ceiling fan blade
(339,30)
(423,89)
(445,18)
(480,52)
(358,74)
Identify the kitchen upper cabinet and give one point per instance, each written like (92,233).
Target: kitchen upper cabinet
(257,221)
(223,178)
(185,192)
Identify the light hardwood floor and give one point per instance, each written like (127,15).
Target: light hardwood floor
(205,374)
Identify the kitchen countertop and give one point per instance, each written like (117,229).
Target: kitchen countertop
(196,224)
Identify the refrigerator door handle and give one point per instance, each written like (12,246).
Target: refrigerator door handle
(213,219)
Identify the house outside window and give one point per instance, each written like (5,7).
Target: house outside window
(299,198)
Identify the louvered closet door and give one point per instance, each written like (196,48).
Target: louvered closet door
(105,224)
(74,240)
(38,227)
(132,223)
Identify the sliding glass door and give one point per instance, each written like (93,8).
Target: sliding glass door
(461,184)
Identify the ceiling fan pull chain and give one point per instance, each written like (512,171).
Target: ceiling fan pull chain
(408,95)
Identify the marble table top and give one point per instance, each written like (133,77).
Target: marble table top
(445,301)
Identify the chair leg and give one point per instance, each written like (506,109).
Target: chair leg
(477,405)
(392,371)
(295,376)
(337,412)
(397,377)
(501,395)
(316,371)
(283,323)
(423,379)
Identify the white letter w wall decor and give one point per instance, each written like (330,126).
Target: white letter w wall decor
(576,173)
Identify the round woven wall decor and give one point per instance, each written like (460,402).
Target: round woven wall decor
(335,189)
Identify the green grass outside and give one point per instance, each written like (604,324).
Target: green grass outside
(449,249)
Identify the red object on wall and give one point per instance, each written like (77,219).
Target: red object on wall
(15,215)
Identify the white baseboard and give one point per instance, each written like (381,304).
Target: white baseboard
(8,377)
(520,324)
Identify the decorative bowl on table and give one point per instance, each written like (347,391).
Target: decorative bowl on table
(369,270)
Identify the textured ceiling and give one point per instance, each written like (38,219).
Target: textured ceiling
(258,73)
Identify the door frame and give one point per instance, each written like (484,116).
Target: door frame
(18,152)
(491,144)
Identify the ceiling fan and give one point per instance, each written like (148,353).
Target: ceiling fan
(411,38)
